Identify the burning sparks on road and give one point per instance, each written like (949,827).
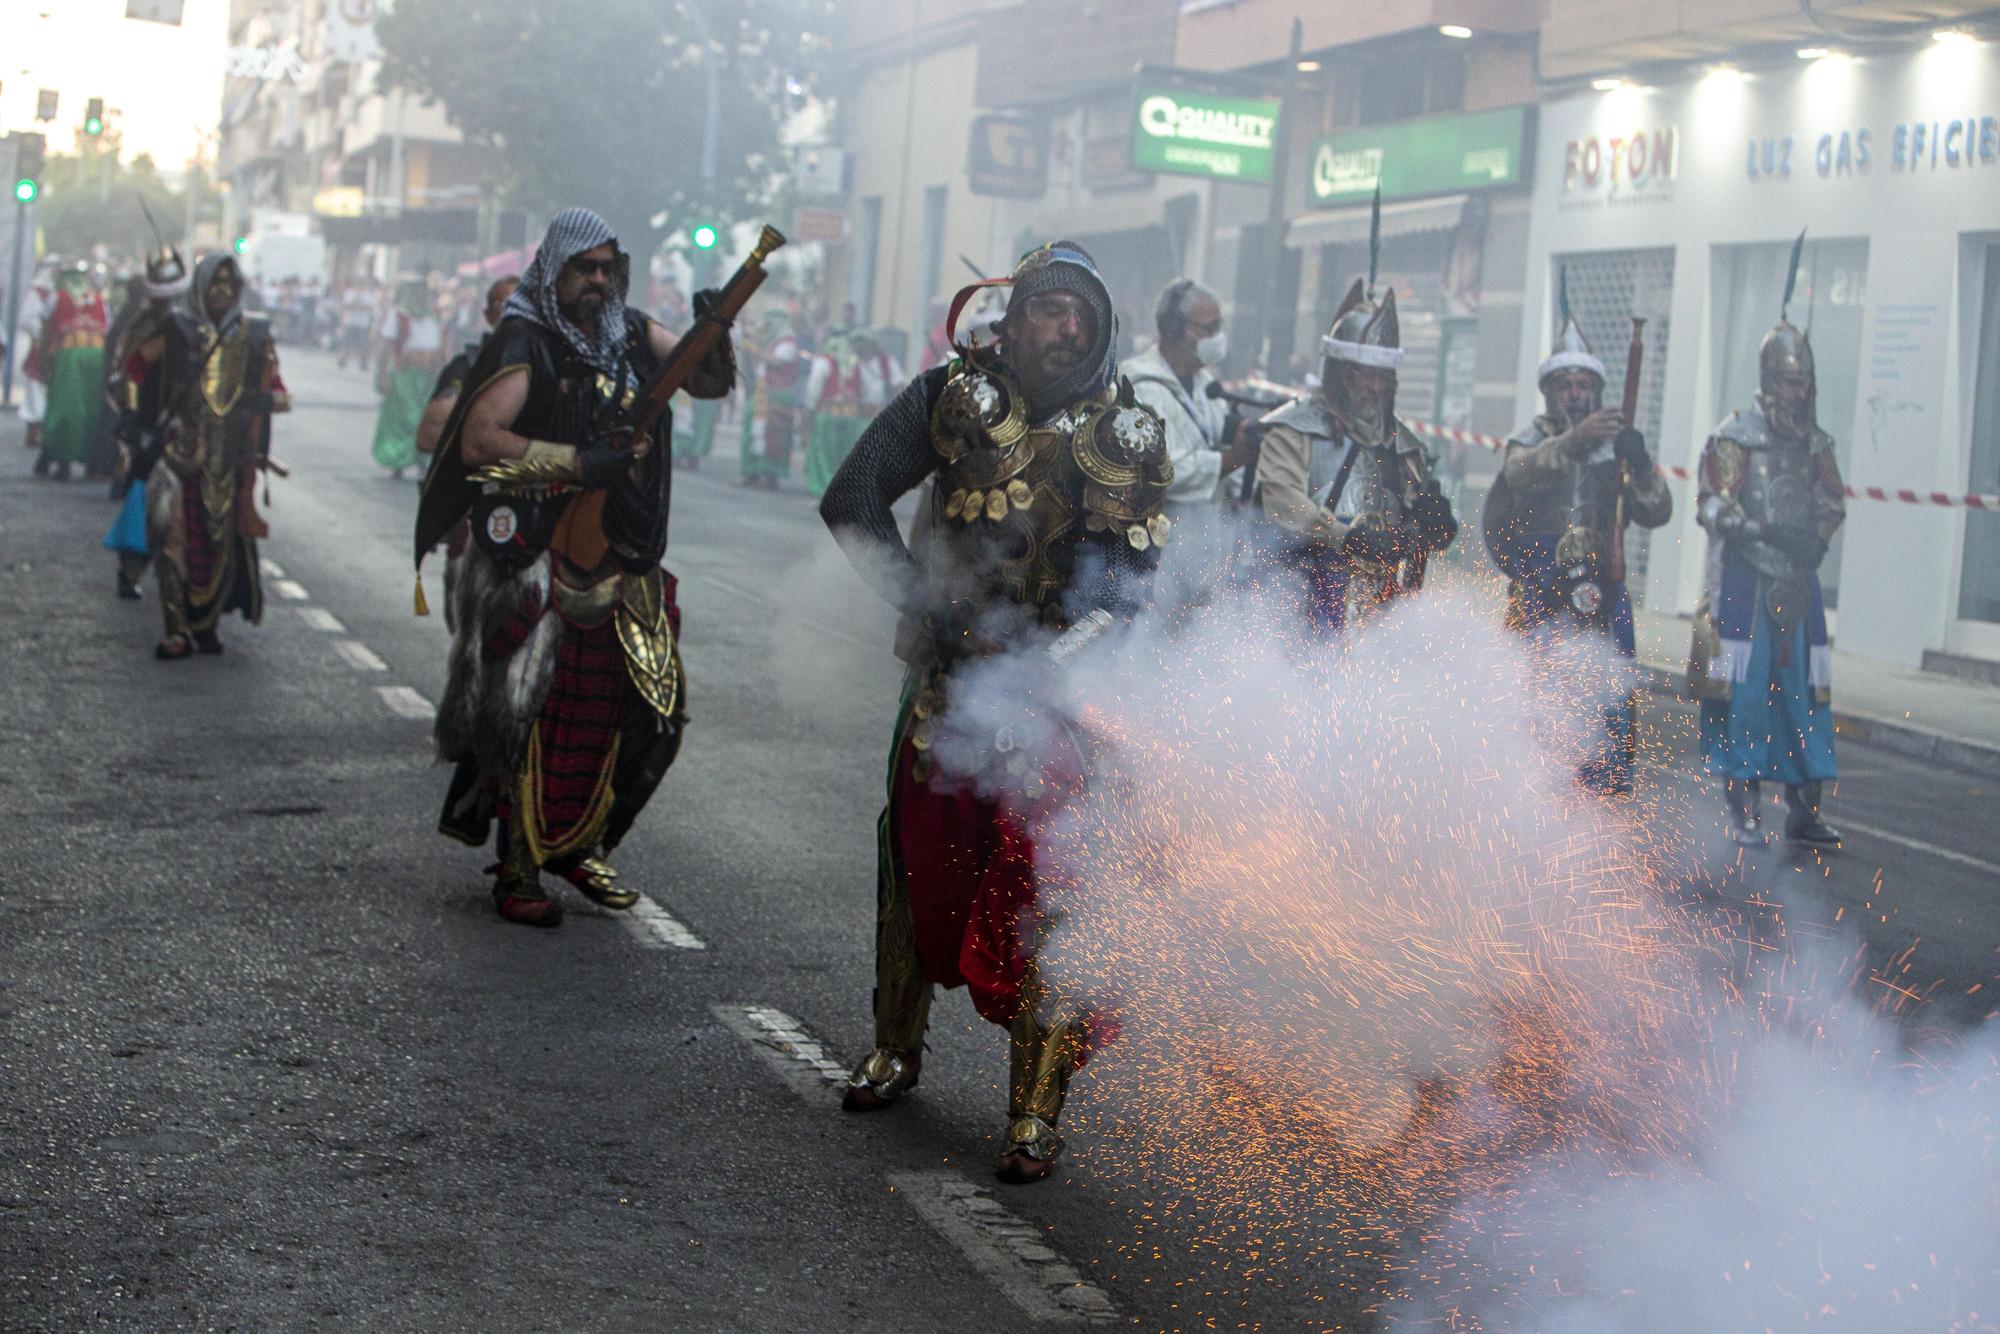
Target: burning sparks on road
(1401,1001)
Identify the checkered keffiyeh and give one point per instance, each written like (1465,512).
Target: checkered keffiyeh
(571,232)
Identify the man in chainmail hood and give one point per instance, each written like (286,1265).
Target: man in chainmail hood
(1042,528)
(565,701)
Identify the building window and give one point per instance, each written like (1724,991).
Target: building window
(1607,290)
(867,239)
(1829,303)
(1979,575)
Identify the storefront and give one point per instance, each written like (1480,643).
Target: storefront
(1679,205)
(1450,185)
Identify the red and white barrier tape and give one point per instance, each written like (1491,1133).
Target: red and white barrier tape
(1458,437)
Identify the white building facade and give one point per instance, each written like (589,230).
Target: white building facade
(1679,204)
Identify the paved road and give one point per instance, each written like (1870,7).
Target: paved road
(267,1059)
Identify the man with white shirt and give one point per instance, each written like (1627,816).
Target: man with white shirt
(1174,379)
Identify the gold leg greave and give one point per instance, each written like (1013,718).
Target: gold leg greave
(173,600)
(902,996)
(1041,1058)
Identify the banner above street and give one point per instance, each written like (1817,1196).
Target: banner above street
(1199,134)
(1437,155)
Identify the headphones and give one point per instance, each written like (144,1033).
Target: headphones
(1171,317)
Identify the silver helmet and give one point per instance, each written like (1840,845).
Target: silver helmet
(1365,334)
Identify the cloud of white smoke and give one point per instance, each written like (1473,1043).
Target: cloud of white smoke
(1390,981)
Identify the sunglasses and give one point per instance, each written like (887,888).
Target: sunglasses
(591,267)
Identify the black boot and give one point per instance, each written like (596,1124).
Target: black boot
(1802,822)
(1746,817)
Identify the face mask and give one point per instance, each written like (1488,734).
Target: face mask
(1213,348)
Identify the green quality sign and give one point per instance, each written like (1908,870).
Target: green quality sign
(1441,155)
(1196,134)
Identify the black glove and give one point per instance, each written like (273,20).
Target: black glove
(1802,544)
(1630,447)
(129,428)
(1370,544)
(605,461)
(1431,513)
(708,301)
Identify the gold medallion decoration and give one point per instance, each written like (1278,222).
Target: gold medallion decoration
(1019,495)
(996,506)
(1138,537)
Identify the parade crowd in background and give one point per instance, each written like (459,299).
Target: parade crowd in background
(1055,472)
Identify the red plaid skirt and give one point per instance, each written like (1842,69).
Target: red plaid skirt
(573,748)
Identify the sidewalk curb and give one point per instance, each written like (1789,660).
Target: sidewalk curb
(1890,734)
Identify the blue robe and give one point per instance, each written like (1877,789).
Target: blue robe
(1777,722)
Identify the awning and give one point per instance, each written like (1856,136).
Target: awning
(513,261)
(1348,226)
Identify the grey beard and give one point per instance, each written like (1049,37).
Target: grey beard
(1365,421)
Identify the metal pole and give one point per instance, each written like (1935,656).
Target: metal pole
(714,78)
(1274,221)
(13,304)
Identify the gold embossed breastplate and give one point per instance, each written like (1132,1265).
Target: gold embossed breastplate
(1013,500)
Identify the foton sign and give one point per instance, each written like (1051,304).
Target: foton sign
(1635,168)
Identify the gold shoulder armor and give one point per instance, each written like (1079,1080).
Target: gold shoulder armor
(980,406)
(1122,453)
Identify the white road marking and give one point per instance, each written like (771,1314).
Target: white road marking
(1917,845)
(405,702)
(271,568)
(319,618)
(657,929)
(359,656)
(1015,1255)
(288,588)
(799,1059)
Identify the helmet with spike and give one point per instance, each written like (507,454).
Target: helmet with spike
(1787,352)
(1572,351)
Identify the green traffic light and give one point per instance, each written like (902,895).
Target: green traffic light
(242,244)
(93,126)
(704,237)
(25,190)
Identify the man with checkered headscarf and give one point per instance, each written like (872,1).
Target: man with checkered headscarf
(565,701)
(1043,526)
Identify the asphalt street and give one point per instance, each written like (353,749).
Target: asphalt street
(268,1060)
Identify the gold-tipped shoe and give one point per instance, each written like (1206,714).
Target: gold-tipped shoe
(597,881)
(883,1076)
(1032,1149)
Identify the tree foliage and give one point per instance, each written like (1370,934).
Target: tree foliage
(602,102)
(93,199)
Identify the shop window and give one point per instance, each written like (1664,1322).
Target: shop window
(1607,290)
(1979,575)
(1829,303)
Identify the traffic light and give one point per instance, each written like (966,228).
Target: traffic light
(29,152)
(242,244)
(93,117)
(704,237)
